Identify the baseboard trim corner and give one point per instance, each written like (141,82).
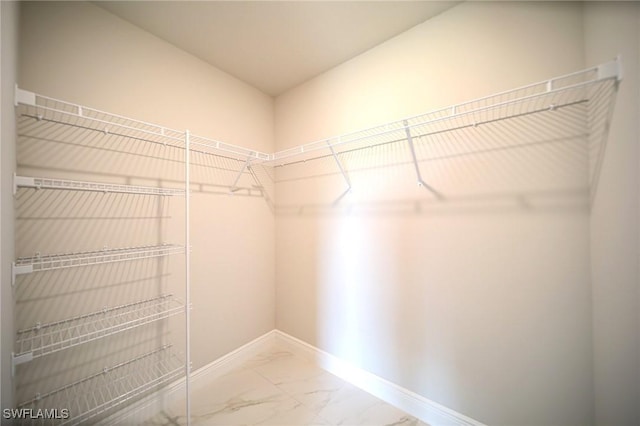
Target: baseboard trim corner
(417,405)
(148,406)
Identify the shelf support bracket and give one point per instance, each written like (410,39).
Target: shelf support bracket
(234,187)
(611,69)
(23,97)
(261,188)
(343,171)
(15,184)
(19,269)
(19,359)
(421,182)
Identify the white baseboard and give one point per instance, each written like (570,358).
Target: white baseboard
(418,406)
(152,404)
(233,359)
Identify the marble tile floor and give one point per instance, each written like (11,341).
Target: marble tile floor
(280,388)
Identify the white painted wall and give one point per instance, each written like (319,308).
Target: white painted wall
(480,304)
(412,294)
(8,72)
(611,29)
(78,52)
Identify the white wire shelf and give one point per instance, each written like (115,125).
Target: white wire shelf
(46,109)
(73,185)
(215,147)
(45,339)
(546,96)
(37,263)
(111,387)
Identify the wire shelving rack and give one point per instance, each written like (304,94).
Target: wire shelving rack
(545,96)
(592,89)
(589,93)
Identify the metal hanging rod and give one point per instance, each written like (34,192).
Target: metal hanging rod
(45,339)
(112,386)
(37,263)
(72,185)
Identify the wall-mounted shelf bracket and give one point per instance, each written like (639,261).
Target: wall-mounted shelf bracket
(343,171)
(19,270)
(234,186)
(611,69)
(19,359)
(23,97)
(421,182)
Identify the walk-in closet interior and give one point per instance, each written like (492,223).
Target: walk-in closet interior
(320,213)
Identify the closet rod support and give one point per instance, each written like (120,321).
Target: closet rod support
(234,186)
(421,182)
(342,170)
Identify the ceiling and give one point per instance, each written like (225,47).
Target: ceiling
(277,45)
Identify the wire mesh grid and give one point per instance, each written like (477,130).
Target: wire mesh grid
(73,185)
(228,169)
(68,260)
(549,95)
(60,112)
(44,339)
(565,109)
(221,149)
(107,389)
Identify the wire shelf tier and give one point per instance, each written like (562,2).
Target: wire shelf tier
(109,388)
(25,265)
(72,185)
(210,146)
(545,97)
(43,108)
(44,339)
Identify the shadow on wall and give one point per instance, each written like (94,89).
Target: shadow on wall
(81,322)
(513,156)
(479,173)
(444,294)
